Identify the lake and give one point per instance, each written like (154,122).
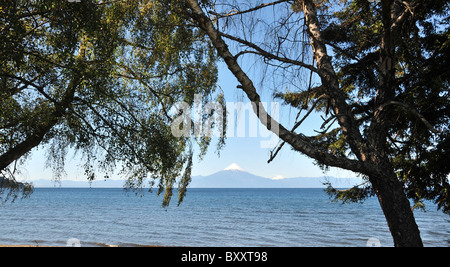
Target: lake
(207,217)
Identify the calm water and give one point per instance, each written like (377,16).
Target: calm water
(207,217)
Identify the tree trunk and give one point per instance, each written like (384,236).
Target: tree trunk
(44,127)
(26,146)
(390,192)
(391,195)
(397,209)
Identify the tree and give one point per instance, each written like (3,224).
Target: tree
(383,78)
(99,77)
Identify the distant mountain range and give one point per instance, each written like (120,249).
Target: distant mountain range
(110,183)
(233,176)
(236,177)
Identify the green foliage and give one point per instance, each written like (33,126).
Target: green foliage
(422,82)
(417,139)
(356,194)
(103,77)
(10,189)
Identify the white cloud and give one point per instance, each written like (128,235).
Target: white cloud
(278,177)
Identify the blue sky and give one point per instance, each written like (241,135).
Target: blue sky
(245,151)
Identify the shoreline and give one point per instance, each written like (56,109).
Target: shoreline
(96,245)
(22,246)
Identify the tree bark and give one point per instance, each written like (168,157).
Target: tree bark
(371,162)
(388,188)
(26,146)
(396,208)
(44,127)
(298,141)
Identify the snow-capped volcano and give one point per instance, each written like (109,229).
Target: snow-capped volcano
(234,176)
(234,167)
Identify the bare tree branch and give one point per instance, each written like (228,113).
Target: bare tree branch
(236,12)
(268,55)
(331,83)
(410,110)
(298,141)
